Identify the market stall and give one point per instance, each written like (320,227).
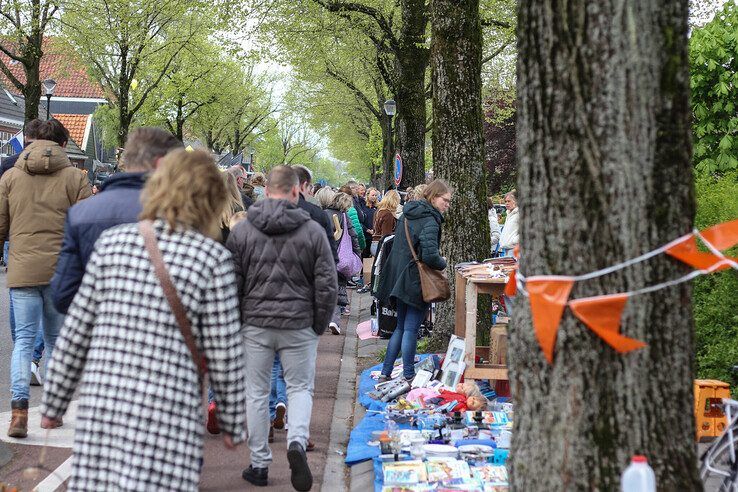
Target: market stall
(446,429)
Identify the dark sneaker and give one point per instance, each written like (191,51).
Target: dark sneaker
(334,328)
(256,476)
(280,412)
(302,479)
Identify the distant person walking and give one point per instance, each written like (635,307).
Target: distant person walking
(34,198)
(119,202)
(287,288)
(384,220)
(139,423)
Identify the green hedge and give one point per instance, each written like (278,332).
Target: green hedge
(716,295)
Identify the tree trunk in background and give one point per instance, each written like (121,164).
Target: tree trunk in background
(603,138)
(32,91)
(388,152)
(411,63)
(458,146)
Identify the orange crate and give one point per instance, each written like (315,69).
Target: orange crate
(709,419)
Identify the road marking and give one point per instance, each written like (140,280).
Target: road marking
(62,437)
(56,479)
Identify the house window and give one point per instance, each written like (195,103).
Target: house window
(5,147)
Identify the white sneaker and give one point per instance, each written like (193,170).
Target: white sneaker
(334,329)
(36,375)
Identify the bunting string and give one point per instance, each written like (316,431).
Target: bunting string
(549,294)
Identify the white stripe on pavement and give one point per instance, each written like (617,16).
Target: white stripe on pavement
(55,479)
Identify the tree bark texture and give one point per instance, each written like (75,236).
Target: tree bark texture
(32,90)
(388,152)
(458,144)
(605,174)
(410,65)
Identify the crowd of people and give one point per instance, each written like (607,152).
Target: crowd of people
(175,276)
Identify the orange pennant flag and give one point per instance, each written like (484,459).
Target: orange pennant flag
(722,236)
(687,252)
(511,287)
(548,296)
(602,315)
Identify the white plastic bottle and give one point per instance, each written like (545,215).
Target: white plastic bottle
(639,476)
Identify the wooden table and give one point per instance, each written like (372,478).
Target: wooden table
(467,291)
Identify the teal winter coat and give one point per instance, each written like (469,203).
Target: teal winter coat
(354,217)
(399,278)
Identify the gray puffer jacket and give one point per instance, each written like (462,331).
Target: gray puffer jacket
(284,268)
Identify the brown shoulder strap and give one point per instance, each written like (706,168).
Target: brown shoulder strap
(170,292)
(410,240)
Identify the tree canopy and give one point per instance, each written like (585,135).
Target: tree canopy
(714,83)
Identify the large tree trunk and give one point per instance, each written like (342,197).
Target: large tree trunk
(603,138)
(411,63)
(458,145)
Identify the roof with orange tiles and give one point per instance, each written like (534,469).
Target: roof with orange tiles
(77,124)
(60,63)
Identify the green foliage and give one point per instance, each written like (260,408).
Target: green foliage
(713,51)
(131,46)
(715,296)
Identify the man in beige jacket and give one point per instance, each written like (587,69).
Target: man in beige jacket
(34,198)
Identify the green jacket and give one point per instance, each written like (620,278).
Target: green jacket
(354,217)
(399,278)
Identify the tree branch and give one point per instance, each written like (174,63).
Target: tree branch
(371,12)
(496,52)
(356,91)
(496,23)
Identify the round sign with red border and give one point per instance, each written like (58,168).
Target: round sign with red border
(398,169)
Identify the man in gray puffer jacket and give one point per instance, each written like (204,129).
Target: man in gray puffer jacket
(287,289)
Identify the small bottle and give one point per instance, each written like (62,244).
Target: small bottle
(639,476)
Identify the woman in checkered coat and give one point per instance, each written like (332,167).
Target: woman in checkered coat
(140,415)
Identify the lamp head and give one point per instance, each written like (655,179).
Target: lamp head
(49,86)
(390,107)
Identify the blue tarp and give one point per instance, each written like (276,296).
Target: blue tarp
(358,450)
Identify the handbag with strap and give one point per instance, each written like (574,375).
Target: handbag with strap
(146,229)
(349,263)
(433,283)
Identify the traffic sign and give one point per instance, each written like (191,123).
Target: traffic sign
(398,169)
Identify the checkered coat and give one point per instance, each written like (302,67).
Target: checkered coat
(140,418)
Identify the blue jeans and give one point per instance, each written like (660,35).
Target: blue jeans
(32,309)
(278,393)
(38,347)
(405,338)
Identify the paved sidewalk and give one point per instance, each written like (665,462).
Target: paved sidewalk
(222,469)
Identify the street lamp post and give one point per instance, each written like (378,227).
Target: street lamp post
(390,109)
(49,86)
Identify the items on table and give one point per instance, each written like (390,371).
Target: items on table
(440,474)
